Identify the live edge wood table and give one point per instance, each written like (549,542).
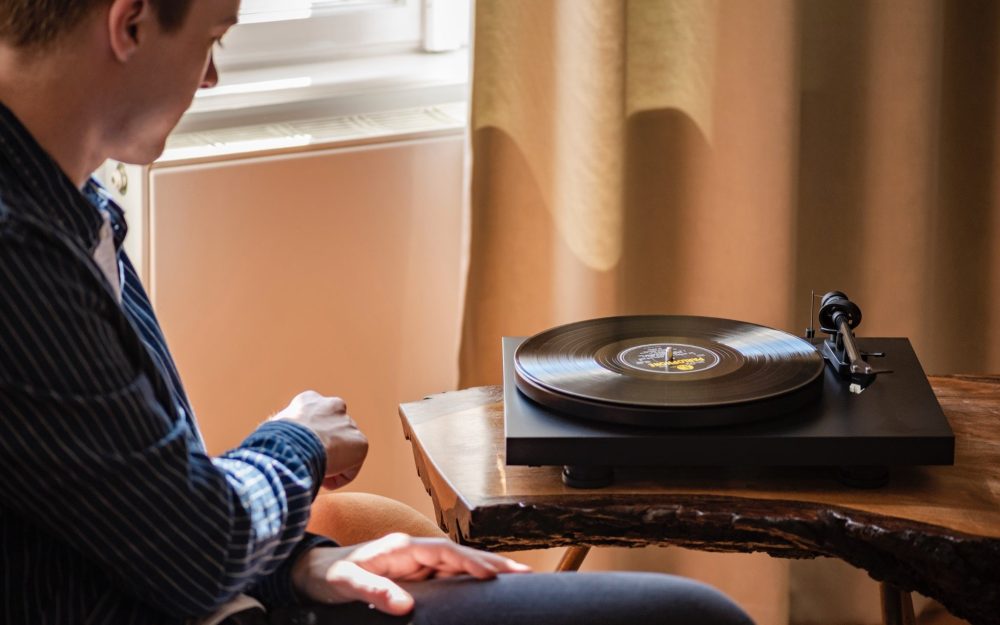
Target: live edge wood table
(934,530)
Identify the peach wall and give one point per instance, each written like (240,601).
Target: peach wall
(335,270)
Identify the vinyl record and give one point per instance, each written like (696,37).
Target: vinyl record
(668,371)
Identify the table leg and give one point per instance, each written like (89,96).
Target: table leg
(572,559)
(897,606)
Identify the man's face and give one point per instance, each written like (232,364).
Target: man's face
(161,79)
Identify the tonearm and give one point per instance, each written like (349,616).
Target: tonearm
(838,316)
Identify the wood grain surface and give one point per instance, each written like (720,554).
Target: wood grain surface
(934,530)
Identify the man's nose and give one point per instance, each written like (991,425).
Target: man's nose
(211,77)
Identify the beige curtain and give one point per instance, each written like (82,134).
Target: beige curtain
(724,158)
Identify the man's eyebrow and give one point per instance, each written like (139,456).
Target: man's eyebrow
(229,21)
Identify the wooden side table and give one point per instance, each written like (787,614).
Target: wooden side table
(935,530)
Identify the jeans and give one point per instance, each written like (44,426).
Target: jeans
(543,599)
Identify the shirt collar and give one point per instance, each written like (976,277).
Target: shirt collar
(101,199)
(32,184)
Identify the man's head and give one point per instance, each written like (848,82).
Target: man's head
(121,71)
(38,23)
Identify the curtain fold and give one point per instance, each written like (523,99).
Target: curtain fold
(726,157)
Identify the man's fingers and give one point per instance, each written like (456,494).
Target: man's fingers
(405,558)
(351,582)
(498,562)
(472,563)
(335,482)
(419,575)
(337,405)
(447,557)
(506,565)
(339,480)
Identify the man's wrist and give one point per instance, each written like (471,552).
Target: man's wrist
(307,446)
(304,568)
(278,590)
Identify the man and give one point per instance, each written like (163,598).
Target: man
(110,509)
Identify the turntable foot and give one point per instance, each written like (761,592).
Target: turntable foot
(576,476)
(863,477)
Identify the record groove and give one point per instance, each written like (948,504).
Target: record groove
(719,372)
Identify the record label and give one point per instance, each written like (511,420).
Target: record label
(669,358)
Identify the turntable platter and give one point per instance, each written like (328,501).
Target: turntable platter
(668,371)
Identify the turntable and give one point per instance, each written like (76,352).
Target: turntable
(681,391)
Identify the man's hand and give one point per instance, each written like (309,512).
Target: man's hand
(369,572)
(346,446)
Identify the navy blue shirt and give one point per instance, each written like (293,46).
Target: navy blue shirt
(110,509)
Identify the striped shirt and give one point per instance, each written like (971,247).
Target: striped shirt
(110,509)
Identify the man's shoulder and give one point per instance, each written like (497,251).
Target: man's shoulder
(26,239)
(59,221)
(15,198)
(53,310)
(19,213)
(37,257)
(26,226)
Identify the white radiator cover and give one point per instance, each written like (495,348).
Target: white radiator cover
(333,269)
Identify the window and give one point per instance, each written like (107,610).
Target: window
(301,59)
(292,32)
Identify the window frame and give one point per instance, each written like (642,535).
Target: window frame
(350,57)
(330,32)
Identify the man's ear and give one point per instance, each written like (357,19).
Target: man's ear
(128,23)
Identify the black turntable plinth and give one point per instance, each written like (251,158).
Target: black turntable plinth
(894,422)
